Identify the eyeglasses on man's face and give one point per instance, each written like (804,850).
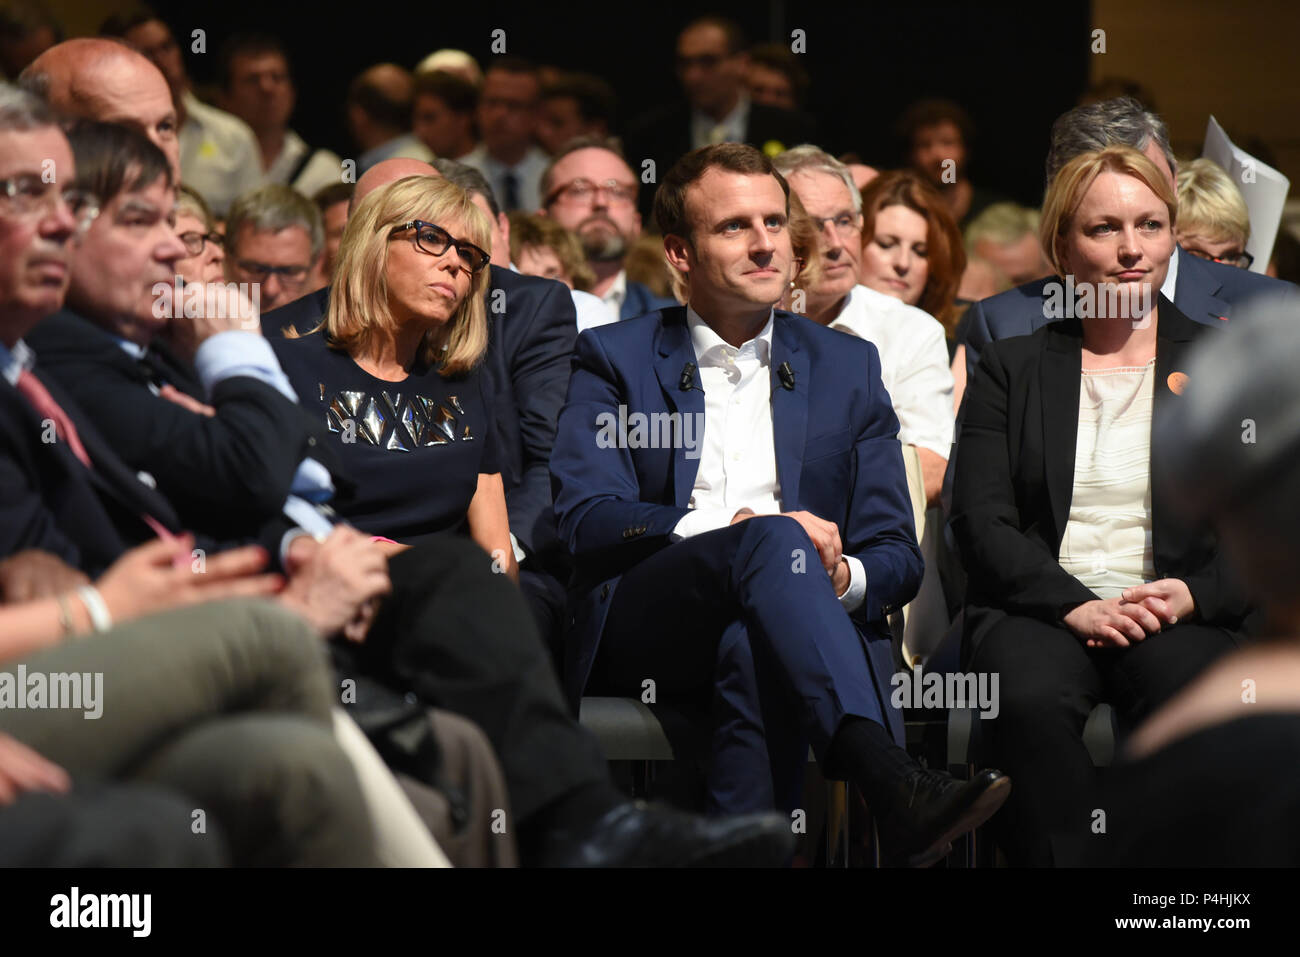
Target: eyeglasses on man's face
(435,241)
(846,224)
(260,272)
(584,191)
(28,197)
(195,241)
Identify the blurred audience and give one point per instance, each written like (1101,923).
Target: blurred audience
(456,62)
(204,246)
(577,104)
(1006,235)
(257,86)
(378,109)
(27,29)
(333,202)
(508,110)
(776,77)
(937,137)
(219,153)
(444,115)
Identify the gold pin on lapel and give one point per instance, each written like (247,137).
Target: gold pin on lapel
(1177,382)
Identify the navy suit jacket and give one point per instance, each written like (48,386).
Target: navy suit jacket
(837,456)
(640,300)
(531,325)
(50,501)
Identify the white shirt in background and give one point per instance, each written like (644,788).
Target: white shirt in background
(913,364)
(220,157)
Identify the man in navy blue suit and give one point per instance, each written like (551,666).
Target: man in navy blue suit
(730,483)
(1202,290)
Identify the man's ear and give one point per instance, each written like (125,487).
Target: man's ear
(679,254)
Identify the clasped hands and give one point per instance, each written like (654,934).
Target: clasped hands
(1138,612)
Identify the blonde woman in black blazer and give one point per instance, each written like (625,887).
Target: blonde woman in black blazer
(1054,460)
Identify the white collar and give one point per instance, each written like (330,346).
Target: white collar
(1171,280)
(616,294)
(707,342)
(14,362)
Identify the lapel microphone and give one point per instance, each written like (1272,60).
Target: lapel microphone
(786,375)
(687,381)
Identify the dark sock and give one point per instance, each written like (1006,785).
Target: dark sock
(863,752)
(573,812)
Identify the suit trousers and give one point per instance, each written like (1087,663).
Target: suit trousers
(226,703)
(743,621)
(1048,684)
(462,638)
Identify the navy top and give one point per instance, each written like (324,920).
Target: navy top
(414,448)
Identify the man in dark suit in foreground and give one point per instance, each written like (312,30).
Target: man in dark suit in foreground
(743,543)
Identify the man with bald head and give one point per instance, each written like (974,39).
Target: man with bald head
(532,327)
(379,117)
(103,80)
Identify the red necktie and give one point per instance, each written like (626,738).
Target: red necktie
(39,396)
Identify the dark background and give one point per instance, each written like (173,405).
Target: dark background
(1014,70)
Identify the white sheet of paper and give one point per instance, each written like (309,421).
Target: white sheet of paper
(1262,187)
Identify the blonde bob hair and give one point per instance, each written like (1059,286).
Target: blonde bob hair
(359,298)
(1075,178)
(1211,203)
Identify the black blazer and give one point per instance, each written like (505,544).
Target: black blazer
(532,327)
(50,501)
(227,475)
(1012,488)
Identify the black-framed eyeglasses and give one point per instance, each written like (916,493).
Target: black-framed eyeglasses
(584,190)
(435,241)
(261,272)
(1243,260)
(195,241)
(29,195)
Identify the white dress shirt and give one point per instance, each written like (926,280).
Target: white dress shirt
(737,466)
(1171,279)
(913,364)
(616,293)
(219,154)
(591,311)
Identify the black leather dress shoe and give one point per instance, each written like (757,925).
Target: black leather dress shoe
(932,808)
(640,835)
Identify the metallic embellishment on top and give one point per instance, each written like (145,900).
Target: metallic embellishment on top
(390,421)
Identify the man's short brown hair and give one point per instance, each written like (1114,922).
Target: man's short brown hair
(670,198)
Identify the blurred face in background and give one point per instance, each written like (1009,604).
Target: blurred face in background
(829,202)
(770,87)
(711,76)
(604,219)
(208,263)
(931,145)
(507,112)
(1020,261)
(261,92)
(894,259)
(543,261)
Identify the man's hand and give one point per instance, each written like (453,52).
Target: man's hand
(176,396)
(332,583)
(1110,623)
(1169,599)
(231,311)
(825,538)
(23,770)
(167,574)
(33,574)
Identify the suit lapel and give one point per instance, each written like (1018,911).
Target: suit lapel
(1061,372)
(1174,336)
(1197,290)
(789,409)
(675,351)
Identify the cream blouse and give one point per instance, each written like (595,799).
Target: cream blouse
(1107,540)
